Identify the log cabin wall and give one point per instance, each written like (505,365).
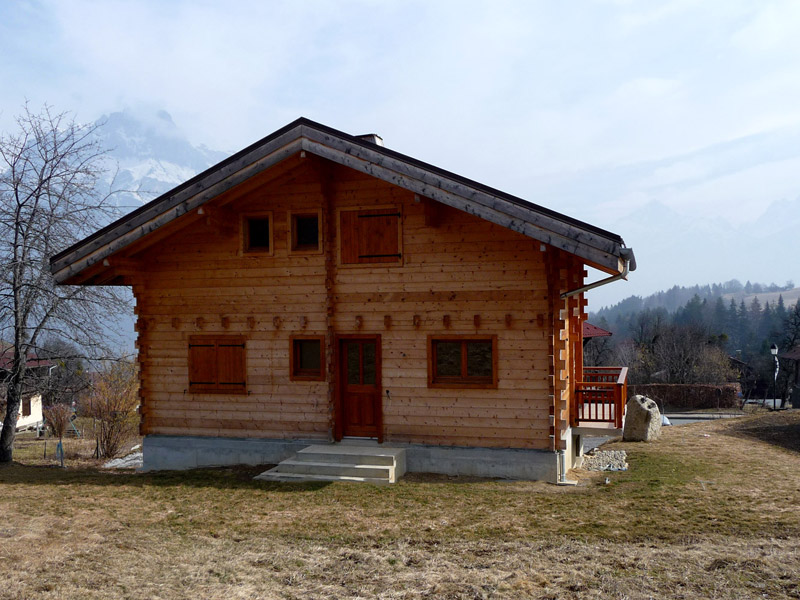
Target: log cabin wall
(458,274)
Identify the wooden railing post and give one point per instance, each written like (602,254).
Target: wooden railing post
(601,395)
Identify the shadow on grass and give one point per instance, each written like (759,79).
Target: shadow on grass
(227,478)
(780,429)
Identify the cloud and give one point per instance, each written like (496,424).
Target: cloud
(595,109)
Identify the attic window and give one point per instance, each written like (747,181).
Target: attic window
(257,233)
(371,236)
(305,232)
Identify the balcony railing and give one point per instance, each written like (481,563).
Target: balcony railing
(601,396)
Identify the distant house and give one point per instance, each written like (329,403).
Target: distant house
(30,412)
(317,287)
(30,409)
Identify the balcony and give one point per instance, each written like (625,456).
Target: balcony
(600,399)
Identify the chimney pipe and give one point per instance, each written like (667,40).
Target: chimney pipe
(372,138)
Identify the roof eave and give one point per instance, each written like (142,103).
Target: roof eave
(597,247)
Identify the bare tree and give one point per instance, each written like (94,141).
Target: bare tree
(49,199)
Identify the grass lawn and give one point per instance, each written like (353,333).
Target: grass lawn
(712,510)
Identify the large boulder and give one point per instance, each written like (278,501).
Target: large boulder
(642,420)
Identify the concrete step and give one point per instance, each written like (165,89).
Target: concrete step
(301,477)
(341,462)
(331,468)
(354,455)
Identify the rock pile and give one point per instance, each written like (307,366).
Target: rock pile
(606,460)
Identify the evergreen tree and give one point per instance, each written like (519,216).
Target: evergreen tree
(719,319)
(743,328)
(780,310)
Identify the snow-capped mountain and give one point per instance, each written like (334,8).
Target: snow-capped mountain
(149,155)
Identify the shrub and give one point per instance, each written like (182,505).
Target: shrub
(112,402)
(57,417)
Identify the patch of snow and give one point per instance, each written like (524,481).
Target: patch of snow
(132,461)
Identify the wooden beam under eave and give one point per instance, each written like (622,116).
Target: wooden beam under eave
(620,267)
(434,212)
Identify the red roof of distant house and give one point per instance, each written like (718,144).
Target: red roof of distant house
(7,359)
(793,354)
(590,331)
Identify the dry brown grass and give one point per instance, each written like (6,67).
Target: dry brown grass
(708,511)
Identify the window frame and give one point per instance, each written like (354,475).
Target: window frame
(215,387)
(463,380)
(292,217)
(396,209)
(245,234)
(294,373)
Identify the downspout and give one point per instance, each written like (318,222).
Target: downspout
(629,264)
(562,468)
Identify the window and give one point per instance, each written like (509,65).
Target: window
(462,361)
(305,232)
(257,233)
(26,407)
(217,364)
(370,236)
(307,358)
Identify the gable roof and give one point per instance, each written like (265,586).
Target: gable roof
(596,246)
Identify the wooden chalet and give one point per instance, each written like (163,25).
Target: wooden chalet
(317,287)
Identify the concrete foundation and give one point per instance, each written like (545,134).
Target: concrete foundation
(163,452)
(175,453)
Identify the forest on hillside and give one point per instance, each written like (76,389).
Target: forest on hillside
(708,338)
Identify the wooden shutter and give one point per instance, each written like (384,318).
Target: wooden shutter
(230,365)
(217,364)
(370,236)
(349,232)
(202,364)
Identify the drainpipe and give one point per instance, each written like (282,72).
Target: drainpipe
(629,264)
(562,467)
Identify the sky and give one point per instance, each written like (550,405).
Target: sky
(674,124)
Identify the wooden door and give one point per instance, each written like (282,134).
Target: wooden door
(360,411)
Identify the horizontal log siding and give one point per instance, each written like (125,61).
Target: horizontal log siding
(198,282)
(200,273)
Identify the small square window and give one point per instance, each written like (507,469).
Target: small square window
(257,233)
(307,358)
(305,232)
